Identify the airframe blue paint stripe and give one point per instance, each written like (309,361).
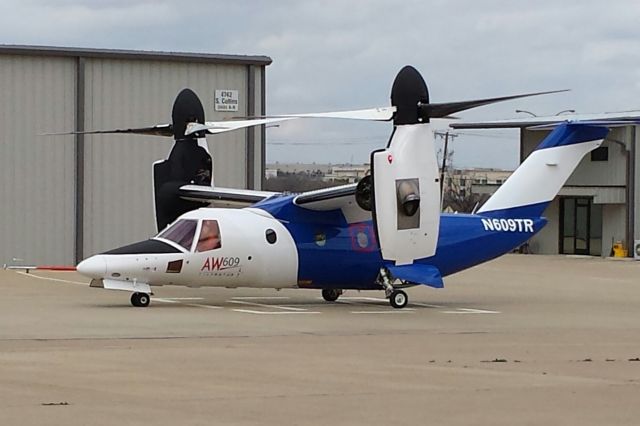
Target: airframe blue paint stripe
(573,133)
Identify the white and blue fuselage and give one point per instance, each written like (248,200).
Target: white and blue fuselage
(279,244)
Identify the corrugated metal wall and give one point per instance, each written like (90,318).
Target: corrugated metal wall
(124,93)
(38,191)
(36,172)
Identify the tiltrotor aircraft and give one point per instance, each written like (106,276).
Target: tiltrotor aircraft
(384,233)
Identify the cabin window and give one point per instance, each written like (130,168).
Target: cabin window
(209,236)
(271,236)
(181,232)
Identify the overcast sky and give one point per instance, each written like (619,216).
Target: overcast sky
(336,55)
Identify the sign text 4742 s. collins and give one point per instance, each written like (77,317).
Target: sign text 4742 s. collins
(226,100)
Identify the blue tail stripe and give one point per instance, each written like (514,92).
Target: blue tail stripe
(569,134)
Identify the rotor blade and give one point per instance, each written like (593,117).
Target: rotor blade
(214,127)
(439,110)
(373,114)
(158,130)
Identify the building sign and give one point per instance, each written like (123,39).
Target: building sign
(226,100)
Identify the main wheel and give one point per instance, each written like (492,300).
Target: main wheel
(140,300)
(398,299)
(331,294)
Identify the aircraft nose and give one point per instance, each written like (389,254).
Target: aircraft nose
(93,267)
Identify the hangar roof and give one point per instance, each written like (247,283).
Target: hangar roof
(135,54)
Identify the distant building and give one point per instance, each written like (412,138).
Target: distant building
(327,172)
(298,168)
(476,180)
(350,173)
(465,190)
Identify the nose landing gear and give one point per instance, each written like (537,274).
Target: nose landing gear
(140,300)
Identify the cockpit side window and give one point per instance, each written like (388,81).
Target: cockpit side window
(181,232)
(209,236)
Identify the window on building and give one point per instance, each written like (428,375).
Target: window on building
(600,154)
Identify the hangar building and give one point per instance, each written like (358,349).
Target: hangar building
(66,197)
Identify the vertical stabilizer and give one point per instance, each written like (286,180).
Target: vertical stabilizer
(540,177)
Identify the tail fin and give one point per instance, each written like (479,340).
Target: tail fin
(538,180)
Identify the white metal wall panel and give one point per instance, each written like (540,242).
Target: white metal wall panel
(546,241)
(127,93)
(613,226)
(36,172)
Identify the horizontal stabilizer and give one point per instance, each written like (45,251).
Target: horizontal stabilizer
(418,273)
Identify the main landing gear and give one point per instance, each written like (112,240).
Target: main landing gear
(331,294)
(140,300)
(397,298)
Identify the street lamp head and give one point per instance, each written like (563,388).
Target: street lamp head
(526,112)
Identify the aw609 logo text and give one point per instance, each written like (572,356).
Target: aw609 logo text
(220,263)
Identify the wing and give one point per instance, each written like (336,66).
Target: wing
(223,197)
(332,198)
(335,198)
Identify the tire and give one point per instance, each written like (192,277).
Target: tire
(144,299)
(135,299)
(398,299)
(140,300)
(330,294)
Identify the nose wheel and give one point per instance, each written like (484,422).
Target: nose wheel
(140,300)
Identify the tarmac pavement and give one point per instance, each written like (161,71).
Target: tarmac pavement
(521,340)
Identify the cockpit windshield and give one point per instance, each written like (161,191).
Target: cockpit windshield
(209,236)
(181,232)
